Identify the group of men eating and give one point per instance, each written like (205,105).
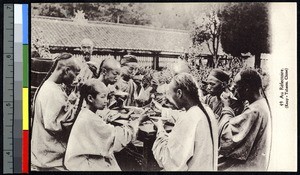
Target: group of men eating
(227,129)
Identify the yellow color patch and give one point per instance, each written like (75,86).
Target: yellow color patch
(25,108)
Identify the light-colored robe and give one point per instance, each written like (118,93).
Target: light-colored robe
(84,74)
(245,139)
(188,147)
(86,68)
(53,118)
(92,143)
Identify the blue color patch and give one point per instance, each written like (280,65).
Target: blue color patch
(25,23)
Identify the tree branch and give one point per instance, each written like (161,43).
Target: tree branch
(218,42)
(209,47)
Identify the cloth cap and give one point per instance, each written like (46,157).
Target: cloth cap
(220,75)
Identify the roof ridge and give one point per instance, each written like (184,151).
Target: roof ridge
(113,24)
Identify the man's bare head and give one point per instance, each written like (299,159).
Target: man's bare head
(110,70)
(110,63)
(87,42)
(87,46)
(67,67)
(181,66)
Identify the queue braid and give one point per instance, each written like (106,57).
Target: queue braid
(63,56)
(187,83)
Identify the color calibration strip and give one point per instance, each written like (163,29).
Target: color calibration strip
(18,77)
(25,99)
(15,91)
(21,133)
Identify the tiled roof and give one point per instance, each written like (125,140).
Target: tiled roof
(66,33)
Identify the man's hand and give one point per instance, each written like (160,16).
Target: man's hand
(72,97)
(120,94)
(158,123)
(227,97)
(157,105)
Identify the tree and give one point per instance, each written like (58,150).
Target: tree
(245,28)
(207,31)
(167,15)
(127,13)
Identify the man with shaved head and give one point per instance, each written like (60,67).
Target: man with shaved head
(109,71)
(88,66)
(181,66)
(53,116)
(87,46)
(109,74)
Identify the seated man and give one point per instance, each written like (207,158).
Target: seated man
(92,141)
(192,143)
(125,83)
(245,139)
(109,74)
(109,71)
(53,116)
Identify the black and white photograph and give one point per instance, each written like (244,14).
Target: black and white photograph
(163,87)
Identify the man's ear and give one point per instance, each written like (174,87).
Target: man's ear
(66,70)
(104,71)
(90,98)
(179,93)
(224,85)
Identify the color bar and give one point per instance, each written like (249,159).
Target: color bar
(25,23)
(25,152)
(25,109)
(25,94)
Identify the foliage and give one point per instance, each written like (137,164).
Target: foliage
(151,14)
(245,28)
(200,74)
(127,13)
(164,76)
(207,32)
(40,47)
(157,77)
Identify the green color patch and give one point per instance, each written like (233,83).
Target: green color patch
(25,66)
